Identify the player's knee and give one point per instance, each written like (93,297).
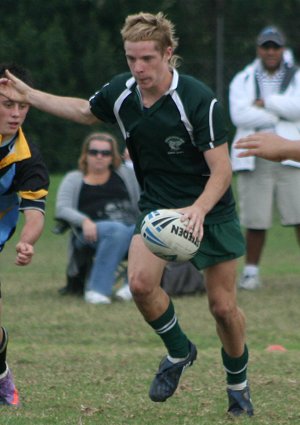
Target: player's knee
(140,286)
(222,311)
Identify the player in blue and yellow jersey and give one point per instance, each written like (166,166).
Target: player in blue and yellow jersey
(23,187)
(175,133)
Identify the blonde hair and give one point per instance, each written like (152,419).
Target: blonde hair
(146,26)
(103,137)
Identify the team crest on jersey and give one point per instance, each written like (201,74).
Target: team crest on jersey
(175,144)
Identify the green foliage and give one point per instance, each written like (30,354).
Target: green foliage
(73,47)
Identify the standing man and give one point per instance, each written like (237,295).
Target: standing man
(265,97)
(23,187)
(175,133)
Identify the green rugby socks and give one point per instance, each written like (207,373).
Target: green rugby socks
(167,327)
(236,367)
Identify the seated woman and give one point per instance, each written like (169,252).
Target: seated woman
(99,202)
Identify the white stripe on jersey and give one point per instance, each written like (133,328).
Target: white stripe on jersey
(183,115)
(211,124)
(118,104)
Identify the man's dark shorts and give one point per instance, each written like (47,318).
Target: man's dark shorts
(221,242)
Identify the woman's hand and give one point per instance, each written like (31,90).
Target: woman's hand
(89,230)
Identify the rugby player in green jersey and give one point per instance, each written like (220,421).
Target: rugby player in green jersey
(175,133)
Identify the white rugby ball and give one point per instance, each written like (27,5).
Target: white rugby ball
(167,237)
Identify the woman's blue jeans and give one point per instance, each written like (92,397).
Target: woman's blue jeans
(110,249)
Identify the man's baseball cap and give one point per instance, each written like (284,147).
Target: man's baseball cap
(270,34)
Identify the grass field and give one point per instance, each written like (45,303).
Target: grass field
(81,364)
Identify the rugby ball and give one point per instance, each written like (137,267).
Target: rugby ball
(167,237)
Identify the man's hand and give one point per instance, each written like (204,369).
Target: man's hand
(194,217)
(260,103)
(25,252)
(265,145)
(13,88)
(32,229)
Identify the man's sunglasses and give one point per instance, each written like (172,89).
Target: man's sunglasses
(103,152)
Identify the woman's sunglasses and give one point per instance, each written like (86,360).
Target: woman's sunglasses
(103,152)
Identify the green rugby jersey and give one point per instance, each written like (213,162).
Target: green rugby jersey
(166,141)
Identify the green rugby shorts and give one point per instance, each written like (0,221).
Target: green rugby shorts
(221,242)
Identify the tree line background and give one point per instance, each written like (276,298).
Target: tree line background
(73,47)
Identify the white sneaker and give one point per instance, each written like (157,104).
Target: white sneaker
(124,293)
(249,282)
(94,297)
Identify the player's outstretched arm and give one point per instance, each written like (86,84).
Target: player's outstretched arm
(269,146)
(74,109)
(32,230)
